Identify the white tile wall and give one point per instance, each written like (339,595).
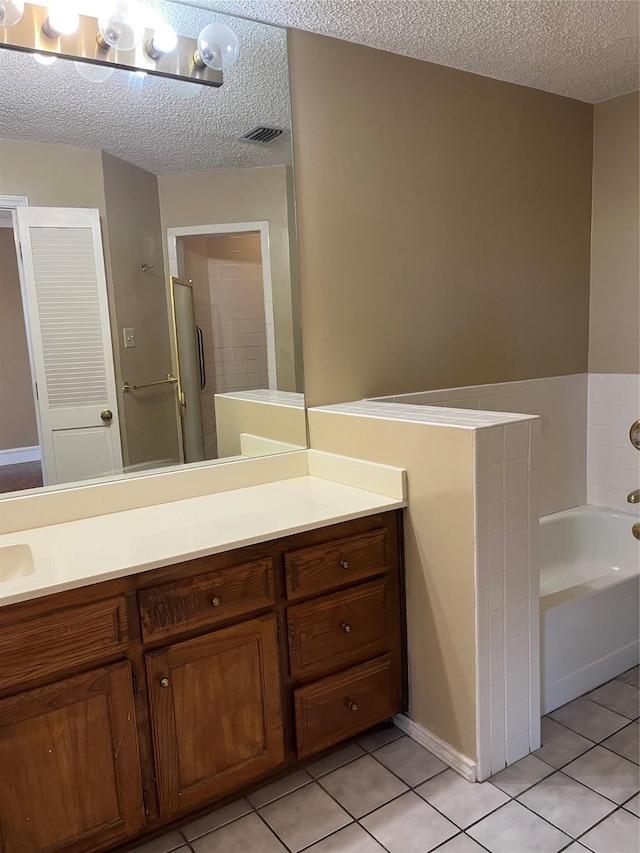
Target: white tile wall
(561,403)
(507,597)
(613,464)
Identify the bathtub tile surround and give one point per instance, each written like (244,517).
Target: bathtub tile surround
(507,597)
(561,403)
(573,788)
(613,465)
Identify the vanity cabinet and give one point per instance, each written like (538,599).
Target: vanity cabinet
(70,771)
(135,704)
(215,713)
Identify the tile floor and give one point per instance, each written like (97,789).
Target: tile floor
(384,792)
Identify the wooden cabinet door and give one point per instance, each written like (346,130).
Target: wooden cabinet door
(69,767)
(216,713)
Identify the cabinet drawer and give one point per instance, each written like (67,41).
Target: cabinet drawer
(340,629)
(62,641)
(335,564)
(342,705)
(206,599)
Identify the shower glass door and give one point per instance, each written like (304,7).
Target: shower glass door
(190,366)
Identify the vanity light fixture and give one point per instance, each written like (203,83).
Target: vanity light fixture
(125,35)
(121,25)
(164,40)
(10,12)
(62,20)
(218,48)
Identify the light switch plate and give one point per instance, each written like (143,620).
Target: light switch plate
(129,338)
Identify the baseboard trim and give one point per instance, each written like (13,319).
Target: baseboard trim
(440,748)
(17,455)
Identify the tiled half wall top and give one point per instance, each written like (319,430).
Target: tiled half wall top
(585,453)
(561,403)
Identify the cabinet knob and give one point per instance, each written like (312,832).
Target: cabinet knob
(353,706)
(215,602)
(346,628)
(164,682)
(344,564)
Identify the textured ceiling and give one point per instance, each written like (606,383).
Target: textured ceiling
(144,122)
(585,49)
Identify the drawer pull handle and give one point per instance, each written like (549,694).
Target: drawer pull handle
(346,628)
(164,682)
(344,564)
(353,706)
(215,602)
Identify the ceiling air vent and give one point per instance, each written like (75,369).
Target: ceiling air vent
(262,134)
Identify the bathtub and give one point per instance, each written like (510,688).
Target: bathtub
(589,601)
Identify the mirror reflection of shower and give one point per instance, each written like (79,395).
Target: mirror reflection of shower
(232,328)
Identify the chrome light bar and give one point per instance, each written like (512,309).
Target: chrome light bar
(29,36)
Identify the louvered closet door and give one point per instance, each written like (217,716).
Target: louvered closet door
(65,293)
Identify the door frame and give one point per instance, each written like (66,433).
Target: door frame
(12,203)
(262,227)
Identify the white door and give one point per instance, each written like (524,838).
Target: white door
(67,317)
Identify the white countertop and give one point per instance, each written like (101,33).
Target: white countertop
(78,553)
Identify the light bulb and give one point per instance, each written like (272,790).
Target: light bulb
(61,20)
(165,40)
(44,58)
(94,73)
(218,48)
(121,25)
(10,12)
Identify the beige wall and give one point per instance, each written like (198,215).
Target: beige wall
(247,195)
(614,342)
(439,531)
(52,175)
(17,412)
(234,418)
(443,224)
(127,198)
(139,301)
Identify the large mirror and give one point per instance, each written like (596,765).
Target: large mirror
(149,311)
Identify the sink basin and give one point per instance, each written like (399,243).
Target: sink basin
(16,561)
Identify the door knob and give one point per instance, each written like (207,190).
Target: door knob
(636,530)
(106,415)
(164,682)
(634,497)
